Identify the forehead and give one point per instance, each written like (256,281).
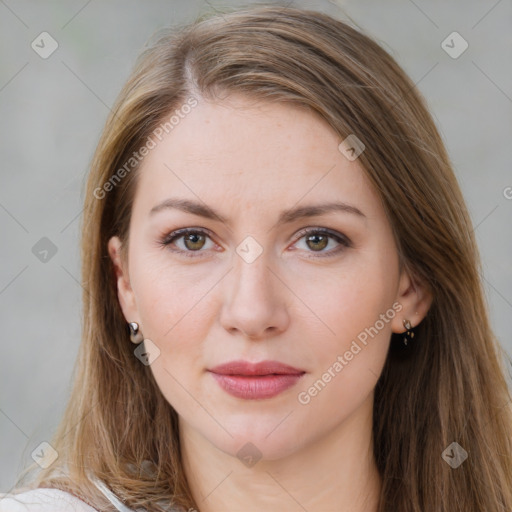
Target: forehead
(246,152)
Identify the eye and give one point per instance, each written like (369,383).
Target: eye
(191,241)
(188,241)
(317,239)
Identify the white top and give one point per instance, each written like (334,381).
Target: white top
(55,500)
(43,500)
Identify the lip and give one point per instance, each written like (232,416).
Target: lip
(247,368)
(255,381)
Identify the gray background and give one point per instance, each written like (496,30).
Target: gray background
(52,112)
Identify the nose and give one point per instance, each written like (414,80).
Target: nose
(254,300)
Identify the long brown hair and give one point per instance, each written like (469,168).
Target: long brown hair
(448,387)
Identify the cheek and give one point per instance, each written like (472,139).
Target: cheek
(356,307)
(175,310)
(176,318)
(351,298)
(170,297)
(347,364)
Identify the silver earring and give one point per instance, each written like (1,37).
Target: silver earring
(135,336)
(408,334)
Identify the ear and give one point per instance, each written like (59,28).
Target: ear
(415,297)
(124,291)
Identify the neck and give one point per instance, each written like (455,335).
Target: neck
(336,472)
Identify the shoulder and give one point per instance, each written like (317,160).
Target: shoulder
(42,500)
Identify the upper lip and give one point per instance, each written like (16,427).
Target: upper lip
(262,368)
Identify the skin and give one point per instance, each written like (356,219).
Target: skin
(250,160)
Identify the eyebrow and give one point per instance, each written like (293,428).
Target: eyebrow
(285,217)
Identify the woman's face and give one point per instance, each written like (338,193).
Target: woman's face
(250,284)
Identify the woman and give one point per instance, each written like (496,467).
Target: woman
(273,221)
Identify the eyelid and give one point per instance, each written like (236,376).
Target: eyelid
(185,231)
(332,233)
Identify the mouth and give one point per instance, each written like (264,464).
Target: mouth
(255,381)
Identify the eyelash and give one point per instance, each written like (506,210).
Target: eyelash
(338,237)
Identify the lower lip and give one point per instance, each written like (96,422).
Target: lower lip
(256,387)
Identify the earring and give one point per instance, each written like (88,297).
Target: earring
(408,334)
(135,336)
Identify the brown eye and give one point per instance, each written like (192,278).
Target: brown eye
(188,242)
(323,242)
(194,241)
(317,242)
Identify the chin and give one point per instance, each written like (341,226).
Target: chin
(250,449)
(257,435)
